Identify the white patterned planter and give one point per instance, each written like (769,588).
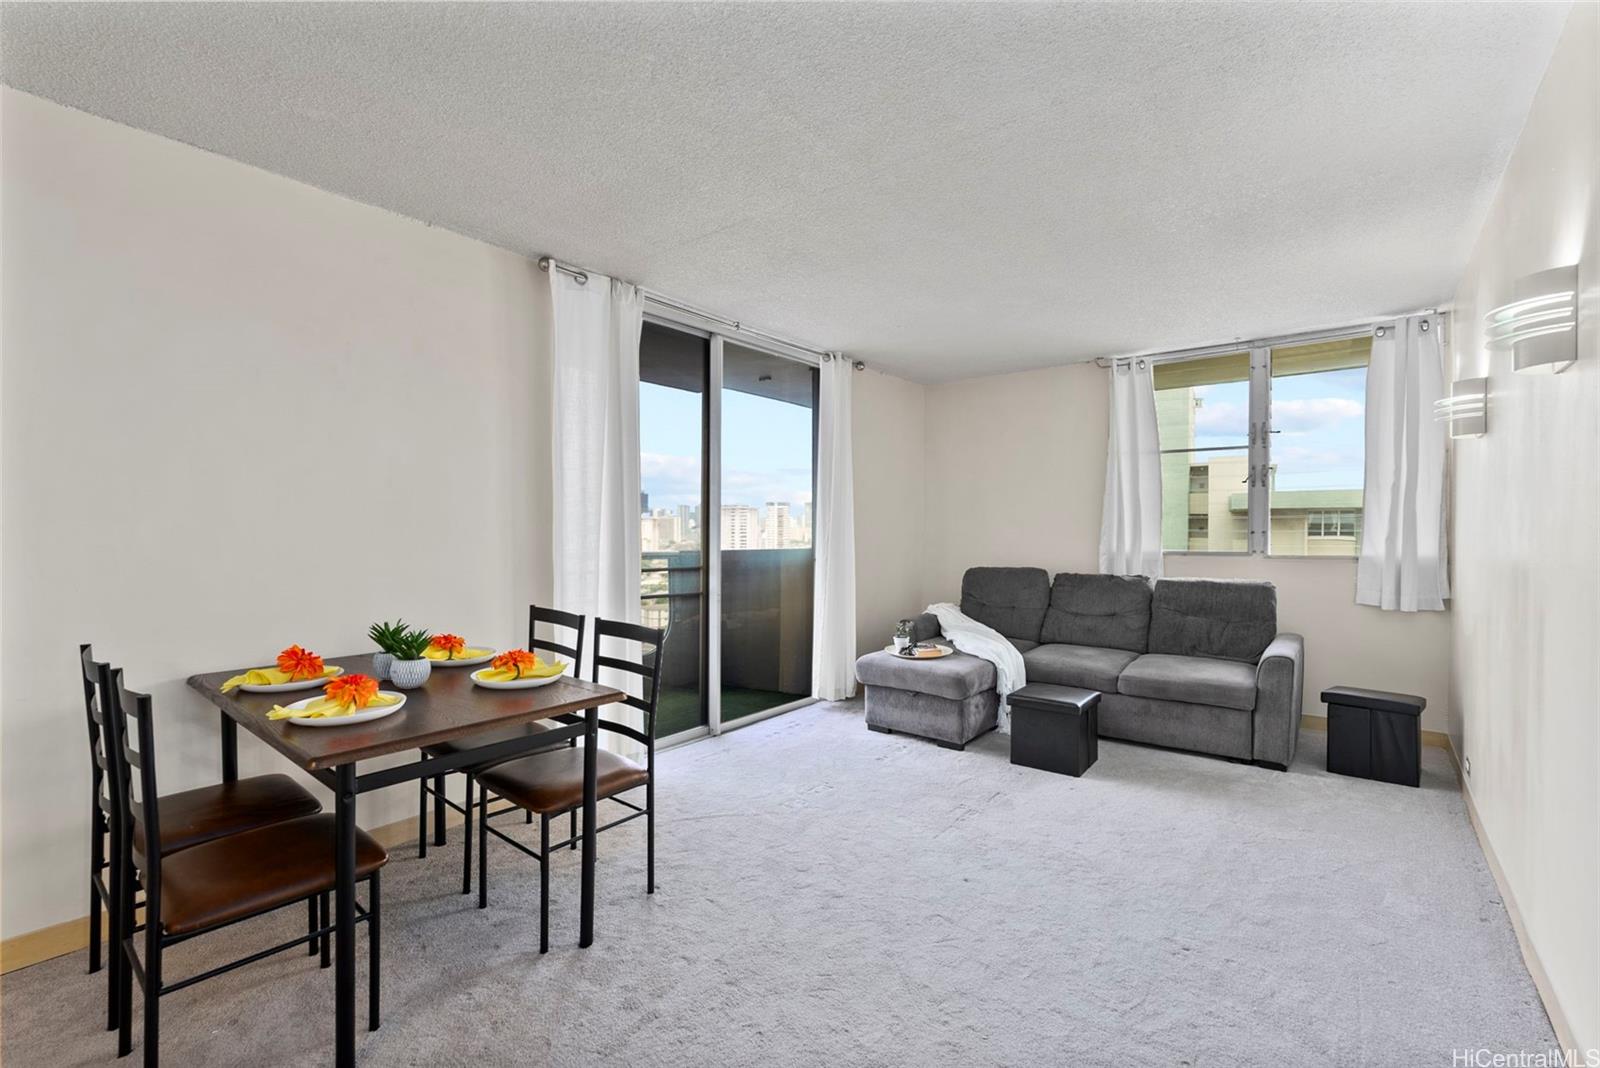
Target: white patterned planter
(409,674)
(381,662)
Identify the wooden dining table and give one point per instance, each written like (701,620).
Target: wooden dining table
(448,707)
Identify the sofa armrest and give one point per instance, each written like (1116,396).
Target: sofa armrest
(1280,684)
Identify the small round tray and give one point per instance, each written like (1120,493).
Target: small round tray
(942,651)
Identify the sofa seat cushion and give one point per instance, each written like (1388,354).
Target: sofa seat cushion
(1195,680)
(957,676)
(1085,666)
(1022,644)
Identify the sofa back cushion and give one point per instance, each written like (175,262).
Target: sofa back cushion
(1012,600)
(1104,611)
(1230,620)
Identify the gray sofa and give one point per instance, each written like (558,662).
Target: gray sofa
(1188,663)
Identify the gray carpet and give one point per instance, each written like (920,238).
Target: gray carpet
(830,895)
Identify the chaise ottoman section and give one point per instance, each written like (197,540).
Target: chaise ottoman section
(950,700)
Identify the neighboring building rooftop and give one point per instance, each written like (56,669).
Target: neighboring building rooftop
(1288,500)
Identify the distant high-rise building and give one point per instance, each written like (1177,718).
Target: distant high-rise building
(775,525)
(741,527)
(644,503)
(659,531)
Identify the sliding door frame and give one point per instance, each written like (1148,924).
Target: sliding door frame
(711,538)
(711,497)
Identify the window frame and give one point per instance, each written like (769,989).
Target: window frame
(1258,537)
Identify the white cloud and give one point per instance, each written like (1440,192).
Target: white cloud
(1319,413)
(1223,417)
(671,480)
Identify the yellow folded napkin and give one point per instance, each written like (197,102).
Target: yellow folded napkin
(328,708)
(271,676)
(465,654)
(541,670)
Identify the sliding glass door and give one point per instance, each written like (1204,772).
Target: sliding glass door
(674,370)
(728,444)
(768,422)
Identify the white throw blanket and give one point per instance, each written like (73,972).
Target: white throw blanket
(986,643)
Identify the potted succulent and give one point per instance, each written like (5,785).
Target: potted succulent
(400,658)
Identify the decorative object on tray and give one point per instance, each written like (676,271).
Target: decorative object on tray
(409,667)
(298,669)
(350,699)
(518,669)
(902,634)
(452,650)
(921,651)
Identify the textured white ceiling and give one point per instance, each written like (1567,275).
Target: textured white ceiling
(944,191)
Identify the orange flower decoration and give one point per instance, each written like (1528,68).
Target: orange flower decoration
(518,660)
(300,663)
(357,690)
(449,643)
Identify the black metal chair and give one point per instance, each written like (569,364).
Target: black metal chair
(550,617)
(192,817)
(550,782)
(215,884)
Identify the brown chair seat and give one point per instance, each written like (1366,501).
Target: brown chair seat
(552,781)
(477,741)
(202,815)
(254,871)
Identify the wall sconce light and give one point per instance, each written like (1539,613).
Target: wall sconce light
(1466,409)
(1540,325)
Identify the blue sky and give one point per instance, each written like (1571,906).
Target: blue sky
(1319,422)
(766,448)
(767,453)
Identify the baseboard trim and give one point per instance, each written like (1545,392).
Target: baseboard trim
(1437,739)
(1530,956)
(72,936)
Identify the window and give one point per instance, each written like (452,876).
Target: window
(1332,524)
(1203,421)
(1262,450)
(1317,444)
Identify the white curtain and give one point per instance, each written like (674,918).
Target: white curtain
(1402,565)
(833,643)
(595,438)
(1130,522)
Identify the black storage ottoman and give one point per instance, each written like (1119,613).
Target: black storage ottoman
(1055,728)
(1375,735)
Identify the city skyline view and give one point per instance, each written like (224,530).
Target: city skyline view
(766,455)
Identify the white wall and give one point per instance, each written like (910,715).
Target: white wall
(238,412)
(1016,471)
(1527,535)
(887,429)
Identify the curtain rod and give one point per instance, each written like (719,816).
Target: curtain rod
(548,263)
(1302,338)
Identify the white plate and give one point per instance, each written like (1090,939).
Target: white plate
(466,662)
(367,715)
(290,687)
(518,684)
